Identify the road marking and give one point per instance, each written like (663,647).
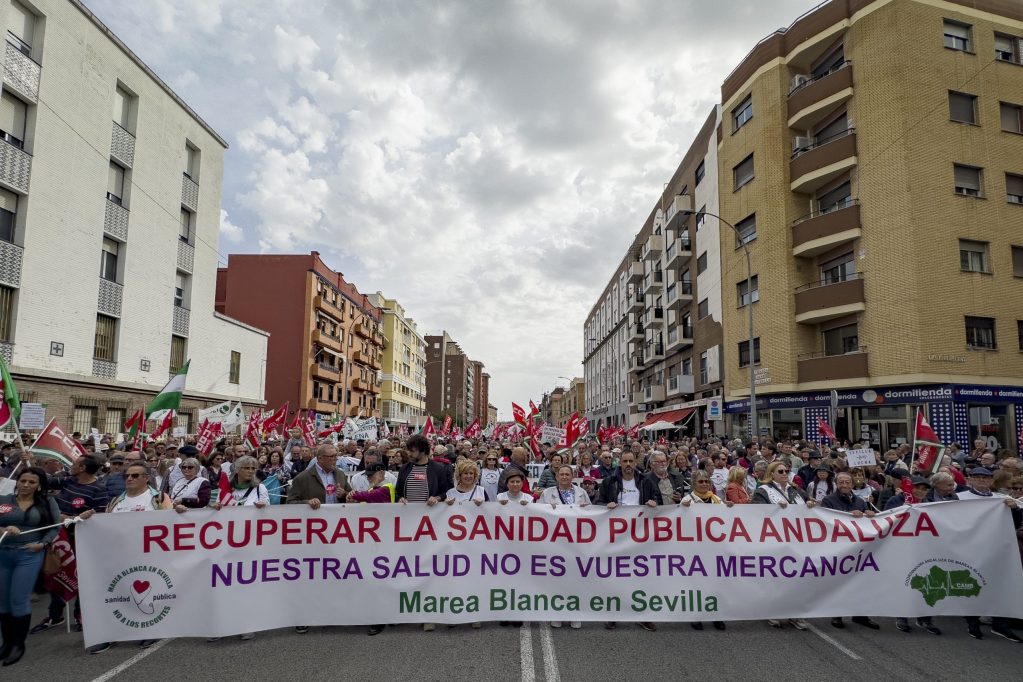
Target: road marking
(550,661)
(110,674)
(526,648)
(833,642)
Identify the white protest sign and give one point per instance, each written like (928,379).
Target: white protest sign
(863,457)
(178,432)
(552,434)
(33,417)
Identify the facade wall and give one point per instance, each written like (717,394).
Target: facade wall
(403,379)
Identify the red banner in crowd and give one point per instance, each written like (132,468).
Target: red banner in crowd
(65,581)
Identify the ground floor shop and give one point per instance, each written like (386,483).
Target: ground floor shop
(883,416)
(703,418)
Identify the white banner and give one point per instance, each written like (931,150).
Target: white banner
(215,414)
(33,417)
(367,430)
(216,573)
(234,417)
(863,457)
(552,434)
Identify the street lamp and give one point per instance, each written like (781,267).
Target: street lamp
(753,428)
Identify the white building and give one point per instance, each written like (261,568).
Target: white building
(110,191)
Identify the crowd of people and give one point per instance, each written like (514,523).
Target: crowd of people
(112,478)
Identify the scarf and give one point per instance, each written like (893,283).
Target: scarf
(708,497)
(778,496)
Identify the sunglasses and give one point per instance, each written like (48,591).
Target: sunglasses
(153,459)
(781,471)
(186,466)
(134,475)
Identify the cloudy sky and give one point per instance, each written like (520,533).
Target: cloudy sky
(485,162)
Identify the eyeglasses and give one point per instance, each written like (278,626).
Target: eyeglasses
(152,459)
(134,475)
(117,464)
(186,466)
(781,471)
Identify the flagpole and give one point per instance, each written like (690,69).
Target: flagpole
(912,452)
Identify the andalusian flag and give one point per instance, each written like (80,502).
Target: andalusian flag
(55,443)
(10,406)
(170,397)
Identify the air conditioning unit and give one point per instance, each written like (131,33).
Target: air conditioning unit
(800,143)
(798,81)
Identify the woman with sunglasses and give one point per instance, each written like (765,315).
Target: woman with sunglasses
(192,491)
(245,487)
(490,474)
(703,493)
(211,472)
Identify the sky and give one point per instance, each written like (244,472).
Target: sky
(486,163)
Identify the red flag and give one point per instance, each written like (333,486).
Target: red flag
(205,437)
(252,430)
(296,422)
(662,441)
(54,443)
(601,434)
(929,449)
(226,499)
(633,432)
(825,430)
(533,409)
(445,429)
(308,425)
(519,414)
(572,430)
(276,420)
(168,420)
(474,429)
(906,486)
(134,423)
(428,427)
(65,581)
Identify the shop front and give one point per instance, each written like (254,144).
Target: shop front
(883,416)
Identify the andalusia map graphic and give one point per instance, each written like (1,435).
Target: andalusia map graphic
(938,583)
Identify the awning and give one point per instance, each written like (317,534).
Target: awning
(673,416)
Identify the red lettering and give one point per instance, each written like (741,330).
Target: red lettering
(739,530)
(265,527)
(769,531)
(154,535)
(184,536)
(368,527)
(925,525)
(900,521)
(709,531)
(205,543)
(456,522)
(315,528)
(291,531)
(816,530)
(840,530)
(398,537)
(616,527)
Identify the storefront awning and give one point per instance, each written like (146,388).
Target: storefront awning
(672,416)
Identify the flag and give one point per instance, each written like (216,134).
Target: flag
(445,429)
(276,420)
(296,422)
(235,417)
(308,425)
(226,499)
(204,439)
(170,397)
(428,427)
(824,429)
(385,431)
(927,445)
(456,433)
(601,434)
(10,406)
(53,443)
(633,432)
(906,488)
(519,414)
(135,421)
(473,431)
(65,581)
(252,430)
(166,424)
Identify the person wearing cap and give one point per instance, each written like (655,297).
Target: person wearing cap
(192,491)
(822,483)
(589,484)
(920,487)
(517,460)
(114,480)
(380,491)
(806,472)
(513,480)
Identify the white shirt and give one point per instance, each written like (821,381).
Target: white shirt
(489,478)
(360,481)
(507,496)
(629,497)
(248,497)
(141,502)
(457,495)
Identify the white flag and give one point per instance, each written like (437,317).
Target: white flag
(235,417)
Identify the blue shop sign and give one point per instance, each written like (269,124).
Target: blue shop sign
(890,395)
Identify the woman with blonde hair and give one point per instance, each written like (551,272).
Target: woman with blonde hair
(467,484)
(735,488)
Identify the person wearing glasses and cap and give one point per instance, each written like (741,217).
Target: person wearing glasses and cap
(490,474)
(192,491)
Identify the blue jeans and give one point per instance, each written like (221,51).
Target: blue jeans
(18,571)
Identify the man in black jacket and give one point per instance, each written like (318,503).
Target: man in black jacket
(668,488)
(623,487)
(421,480)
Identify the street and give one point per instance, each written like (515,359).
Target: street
(539,653)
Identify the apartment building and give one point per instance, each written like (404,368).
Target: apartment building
(403,382)
(455,384)
(110,188)
(653,341)
(326,344)
(878,184)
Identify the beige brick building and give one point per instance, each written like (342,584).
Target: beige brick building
(879,182)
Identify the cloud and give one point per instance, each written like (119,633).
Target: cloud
(486,162)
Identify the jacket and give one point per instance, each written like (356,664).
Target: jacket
(438,481)
(611,488)
(677,481)
(307,485)
(761,497)
(840,502)
(552,496)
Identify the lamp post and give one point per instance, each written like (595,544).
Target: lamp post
(753,428)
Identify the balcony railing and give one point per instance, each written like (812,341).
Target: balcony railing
(817,142)
(189,193)
(810,80)
(186,256)
(115,221)
(110,297)
(122,145)
(21,71)
(15,167)
(11,256)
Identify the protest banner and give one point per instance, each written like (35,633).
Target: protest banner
(862,457)
(216,414)
(552,434)
(33,416)
(218,573)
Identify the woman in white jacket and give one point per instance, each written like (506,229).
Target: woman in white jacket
(565,492)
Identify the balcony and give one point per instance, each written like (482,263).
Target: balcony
(322,338)
(15,167)
(635,332)
(654,247)
(179,323)
(816,162)
(320,302)
(324,406)
(680,384)
(654,352)
(373,387)
(10,264)
(115,221)
(654,394)
(362,358)
(363,331)
(378,339)
(325,372)
(820,301)
(679,336)
(635,302)
(189,193)
(821,231)
(186,256)
(634,274)
(679,252)
(654,282)
(655,318)
(359,384)
(679,294)
(21,73)
(122,146)
(636,362)
(812,367)
(110,297)
(814,98)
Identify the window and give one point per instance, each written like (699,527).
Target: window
(106,337)
(835,199)
(235,370)
(833,61)
(837,127)
(841,340)
(1012,117)
(113,420)
(968,180)
(8,213)
(702,309)
(1017,261)
(12,120)
(701,217)
(747,230)
(83,419)
(122,108)
(115,183)
(962,107)
(1008,48)
(838,269)
(687,367)
(704,367)
(108,262)
(743,173)
(6,312)
(20,28)
(185,421)
(973,256)
(742,113)
(744,289)
(192,162)
(180,290)
(744,352)
(1013,191)
(1019,332)
(177,353)
(957,36)
(187,226)
(700,171)
(980,332)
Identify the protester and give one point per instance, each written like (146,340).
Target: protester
(512,480)
(516,460)
(668,487)
(246,490)
(379,491)
(736,490)
(21,555)
(113,481)
(586,466)
(192,491)
(467,487)
(703,493)
(548,478)
(822,484)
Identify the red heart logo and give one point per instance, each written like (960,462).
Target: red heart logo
(140,586)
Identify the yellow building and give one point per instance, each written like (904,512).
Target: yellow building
(403,393)
(871,157)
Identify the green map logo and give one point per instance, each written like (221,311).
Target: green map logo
(940,582)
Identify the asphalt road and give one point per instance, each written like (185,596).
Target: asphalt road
(538,653)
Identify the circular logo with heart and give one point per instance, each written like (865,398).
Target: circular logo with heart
(6,508)
(331,489)
(140,597)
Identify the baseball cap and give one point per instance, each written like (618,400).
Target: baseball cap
(981,471)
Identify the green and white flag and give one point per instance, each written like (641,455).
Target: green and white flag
(235,417)
(170,397)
